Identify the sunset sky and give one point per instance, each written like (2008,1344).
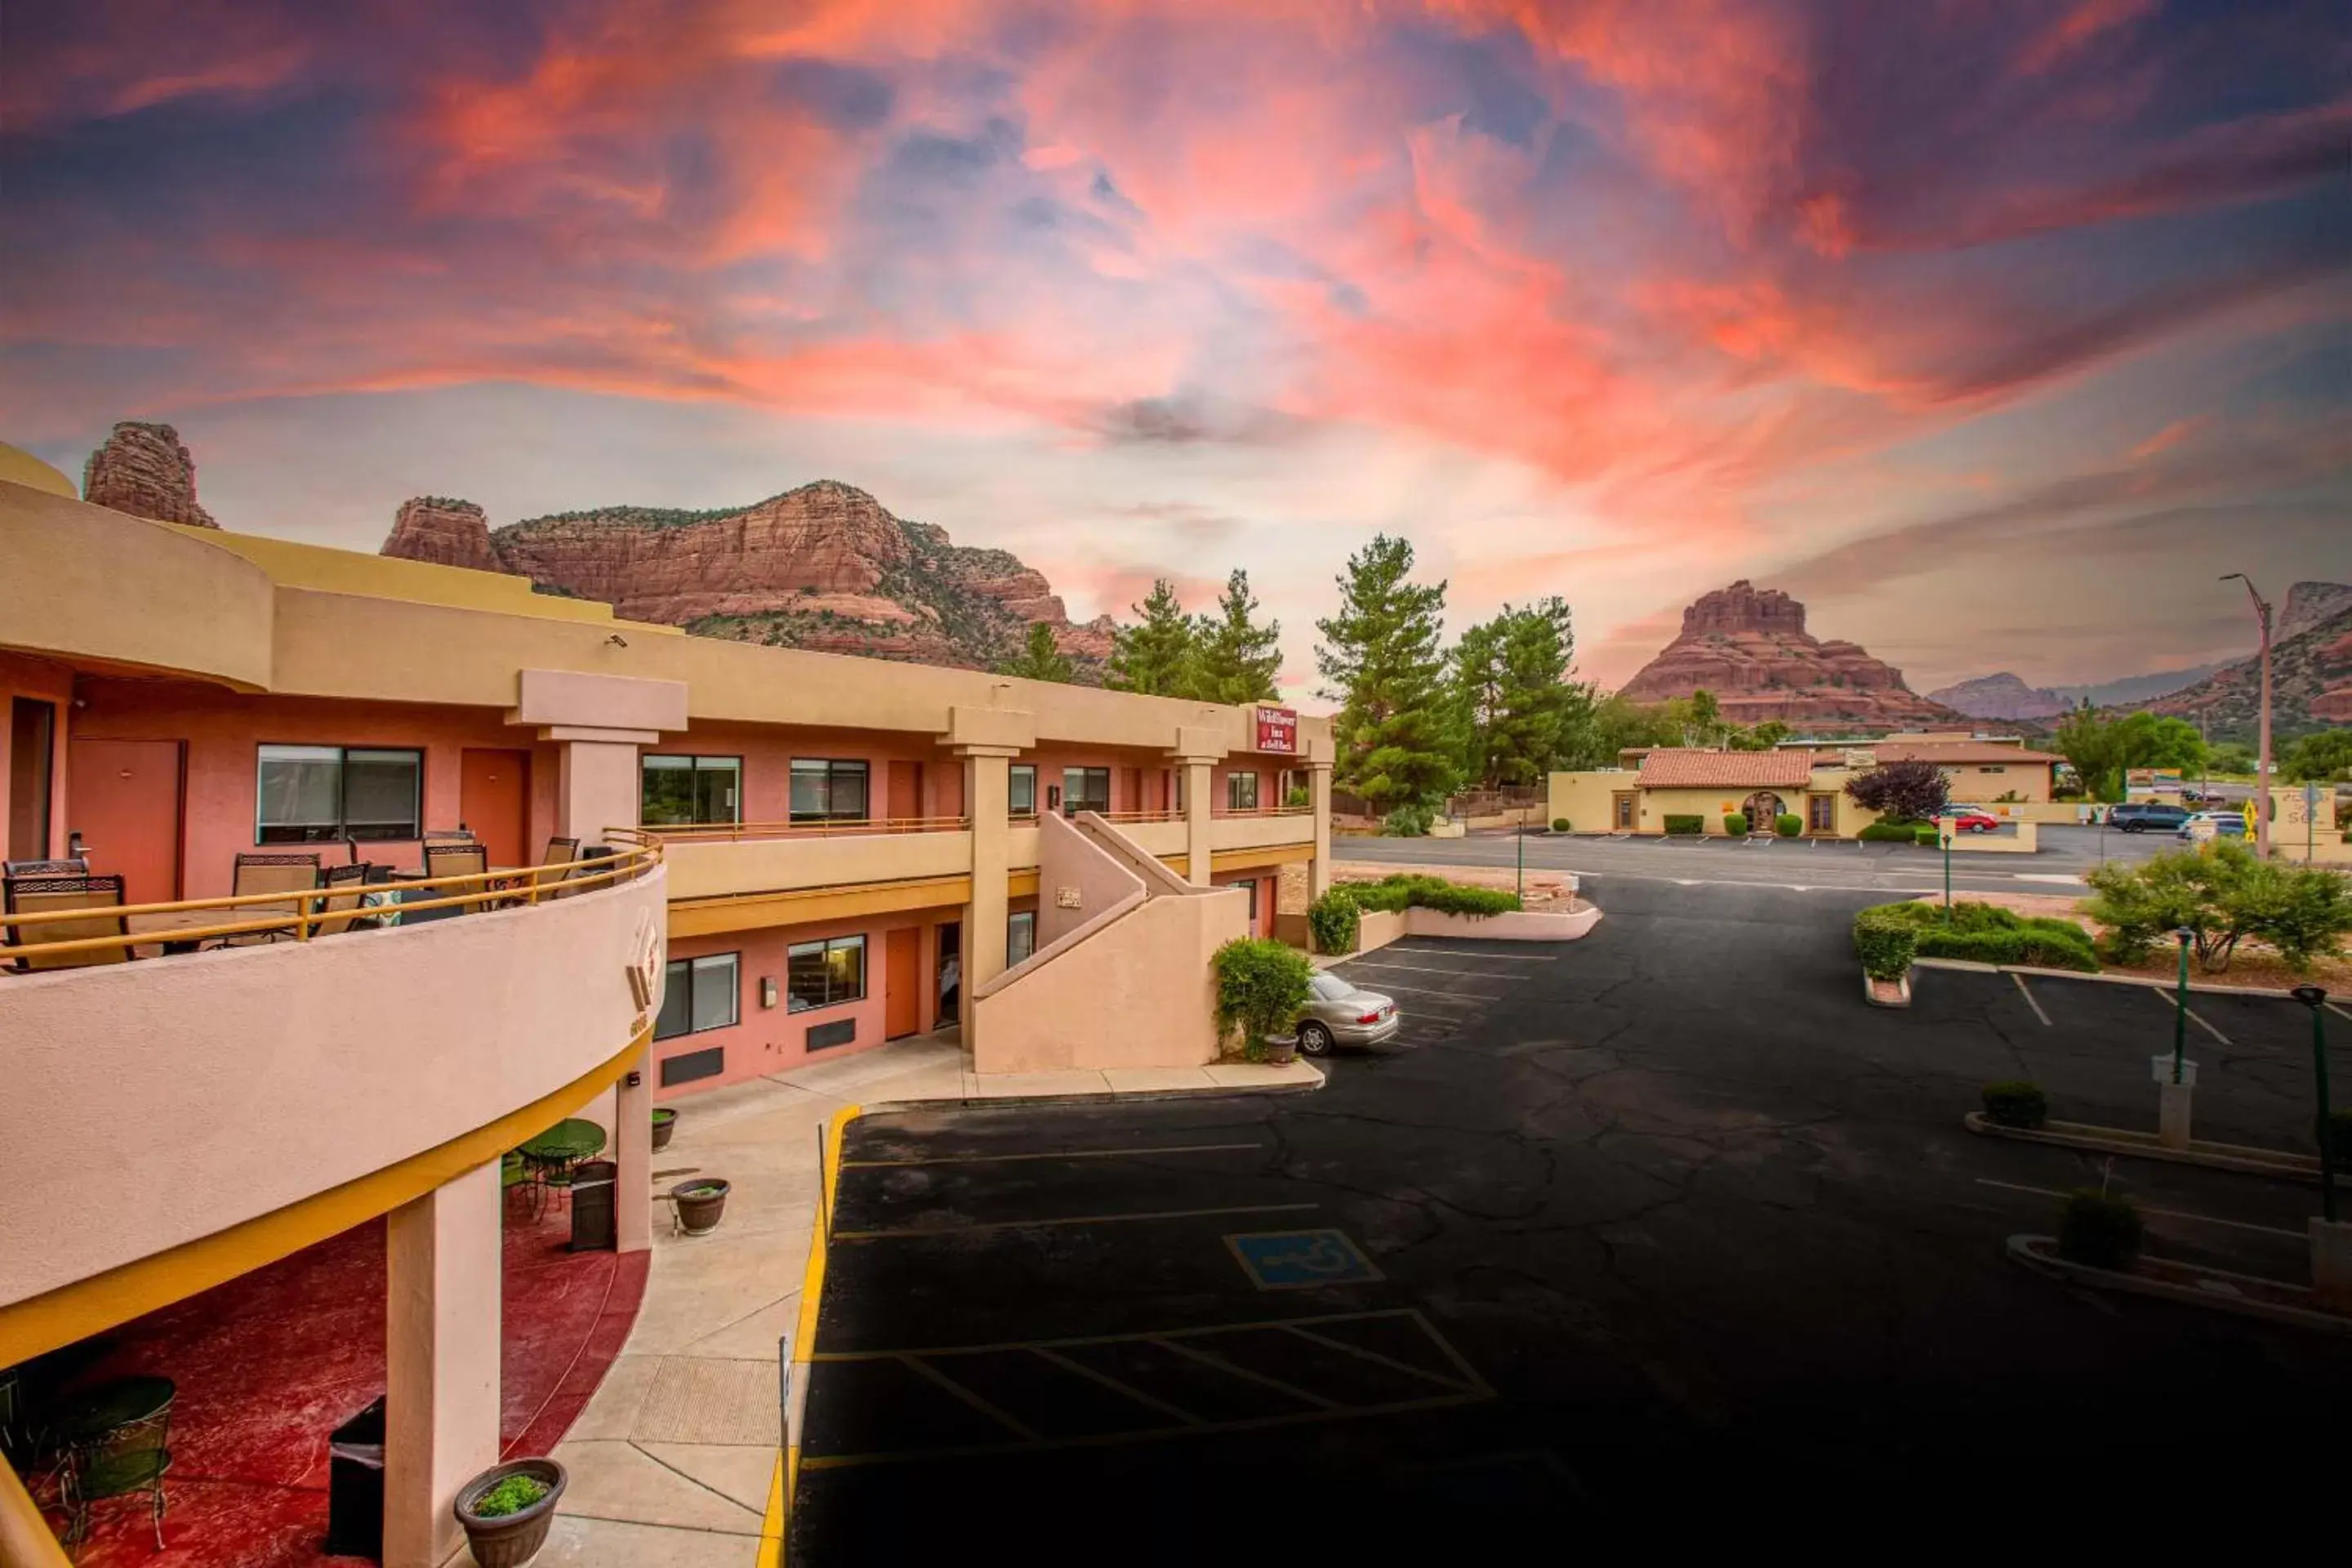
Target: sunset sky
(1993,330)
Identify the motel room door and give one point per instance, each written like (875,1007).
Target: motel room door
(123,798)
(905,799)
(902,982)
(494,800)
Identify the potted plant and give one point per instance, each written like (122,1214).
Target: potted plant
(1262,987)
(699,1204)
(665,1124)
(506,1511)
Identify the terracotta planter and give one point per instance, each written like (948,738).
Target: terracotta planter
(699,1205)
(511,1539)
(1281,1050)
(665,1124)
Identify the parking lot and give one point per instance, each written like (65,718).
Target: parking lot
(1666,1212)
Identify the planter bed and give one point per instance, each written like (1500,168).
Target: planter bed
(2247,1294)
(2278,1163)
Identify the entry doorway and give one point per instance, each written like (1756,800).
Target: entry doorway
(1762,809)
(949,971)
(32,774)
(902,981)
(123,797)
(494,801)
(904,796)
(1620,810)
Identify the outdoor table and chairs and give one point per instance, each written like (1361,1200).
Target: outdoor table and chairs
(116,1439)
(548,1159)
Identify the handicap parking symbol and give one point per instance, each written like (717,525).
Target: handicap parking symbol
(1297,1260)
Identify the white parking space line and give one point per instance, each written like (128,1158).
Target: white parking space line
(1434,969)
(1472,952)
(2027,992)
(1459,1001)
(2164,1214)
(2335,1009)
(2169,1003)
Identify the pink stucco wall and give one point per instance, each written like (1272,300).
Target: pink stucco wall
(771,1039)
(223,732)
(45,682)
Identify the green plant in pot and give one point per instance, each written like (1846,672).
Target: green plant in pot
(506,1511)
(1262,987)
(665,1126)
(699,1204)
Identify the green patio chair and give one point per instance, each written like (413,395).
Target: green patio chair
(130,1461)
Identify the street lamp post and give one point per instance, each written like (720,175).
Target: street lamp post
(2180,1003)
(2176,1081)
(1947,877)
(1519,842)
(2263,754)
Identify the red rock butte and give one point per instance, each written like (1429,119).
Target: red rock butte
(1748,646)
(145,470)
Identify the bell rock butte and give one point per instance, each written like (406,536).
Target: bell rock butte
(1748,646)
(823,566)
(144,469)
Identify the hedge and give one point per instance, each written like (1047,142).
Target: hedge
(1926,836)
(2015,1103)
(1986,934)
(1886,945)
(1337,921)
(1788,824)
(1889,833)
(1560,825)
(2098,1230)
(1417,890)
(1735,823)
(1677,823)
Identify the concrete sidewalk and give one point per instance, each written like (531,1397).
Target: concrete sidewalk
(672,1459)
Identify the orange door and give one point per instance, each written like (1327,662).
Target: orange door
(123,798)
(905,797)
(902,983)
(494,800)
(951,791)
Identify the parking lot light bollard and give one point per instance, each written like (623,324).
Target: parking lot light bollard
(2180,1006)
(2176,1078)
(1948,879)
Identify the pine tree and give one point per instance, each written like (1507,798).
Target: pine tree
(1234,659)
(1394,733)
(1041,659)
(1154,655)
(1521,714)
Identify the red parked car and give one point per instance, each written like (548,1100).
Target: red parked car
(1970,820)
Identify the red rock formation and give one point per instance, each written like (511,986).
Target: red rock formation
(443,531)
(1749,648)
(144,470)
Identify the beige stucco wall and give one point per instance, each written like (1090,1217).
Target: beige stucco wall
(703,869)
(152,1103)
(1260,832)
(1710,805)
(1980,785)
(2024,838)
(1077,881)
(1583,797)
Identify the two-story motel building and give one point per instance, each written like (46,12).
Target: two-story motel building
(781,856)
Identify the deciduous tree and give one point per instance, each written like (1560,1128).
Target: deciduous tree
(1902,792)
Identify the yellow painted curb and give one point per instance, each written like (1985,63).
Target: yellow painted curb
(772,1528)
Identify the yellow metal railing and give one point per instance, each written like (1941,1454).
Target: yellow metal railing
(301,913)
(736,832)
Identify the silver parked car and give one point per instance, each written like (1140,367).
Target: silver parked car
(1339,1015)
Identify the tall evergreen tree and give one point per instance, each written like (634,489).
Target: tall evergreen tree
(1521,712)
(1380,660)
(1041,659)
(1234,659)
(1155,655)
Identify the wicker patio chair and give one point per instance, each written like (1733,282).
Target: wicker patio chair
(41,895)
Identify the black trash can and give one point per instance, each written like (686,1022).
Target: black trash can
(355,1486)
(591,1205)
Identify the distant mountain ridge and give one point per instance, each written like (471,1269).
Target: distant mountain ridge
(2311,686)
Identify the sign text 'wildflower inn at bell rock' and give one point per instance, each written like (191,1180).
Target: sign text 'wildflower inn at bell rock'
(1277,730)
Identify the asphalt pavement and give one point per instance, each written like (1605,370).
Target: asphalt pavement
(1664,1229)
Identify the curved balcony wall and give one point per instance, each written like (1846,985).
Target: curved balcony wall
(172,1123)
(715,867)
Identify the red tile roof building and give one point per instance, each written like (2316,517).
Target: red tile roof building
(1691,768)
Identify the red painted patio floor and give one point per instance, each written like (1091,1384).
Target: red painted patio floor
(269,1364)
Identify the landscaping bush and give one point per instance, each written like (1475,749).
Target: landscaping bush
(1337,921)
(1560,825)
(1911,790)
(1408,822)
(1986,933)
(1262,983)
(1735,823)
(2222,892)
(2098,1230)
(1475,902)
(1681,824)
(1412,890)
(1884,945)
(1788,824)
(1925,836)
(1889,833)
(2015,1103)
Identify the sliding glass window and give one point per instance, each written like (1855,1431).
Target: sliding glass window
(690,792)
(824,973)
(319,795)
(828,791)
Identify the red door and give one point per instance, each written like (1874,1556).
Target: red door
(902,983)
(494,800)
(123,798)
(906,796)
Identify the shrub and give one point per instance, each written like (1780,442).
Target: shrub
(1679,824)
(1986,934)
(1735,823)
(1890,833)
(1475,902)
(2224,894)
(1299,795)
(1262,983)
(2015,1103)
(1408,822)
(1788,824)
(1560,825)
(1337,921)
(1412,889)
(2098,1230)
(512,1495)
(1884,945)
(1925,836)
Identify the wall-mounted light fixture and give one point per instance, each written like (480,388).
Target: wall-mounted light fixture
(636,1080)
(767,991)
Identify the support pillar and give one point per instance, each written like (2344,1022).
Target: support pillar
(441,1361)
(987,798)
(597,780)
(1318,874)
(1199,803)
(633,1155)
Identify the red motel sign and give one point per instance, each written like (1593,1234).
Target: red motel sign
(1277,730)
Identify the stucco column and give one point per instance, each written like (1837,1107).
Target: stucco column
(441,1361)
(987,796)
(633,1155)
(1199,773)
(1318,874)
(599,720)
(596,780)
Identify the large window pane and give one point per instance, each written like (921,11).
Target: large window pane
(1021,791)
(828,791)
(824,973)
(717,796)
(716,987)
(1086,789)
(382,792)
(1019,937)
(804,977)
(845,962)
(1241,792)
(849,791)
(687,791)
(300,794)
(677,1000)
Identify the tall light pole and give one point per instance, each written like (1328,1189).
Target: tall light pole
(2262,755)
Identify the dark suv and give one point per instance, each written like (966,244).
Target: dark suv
(2146,816)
